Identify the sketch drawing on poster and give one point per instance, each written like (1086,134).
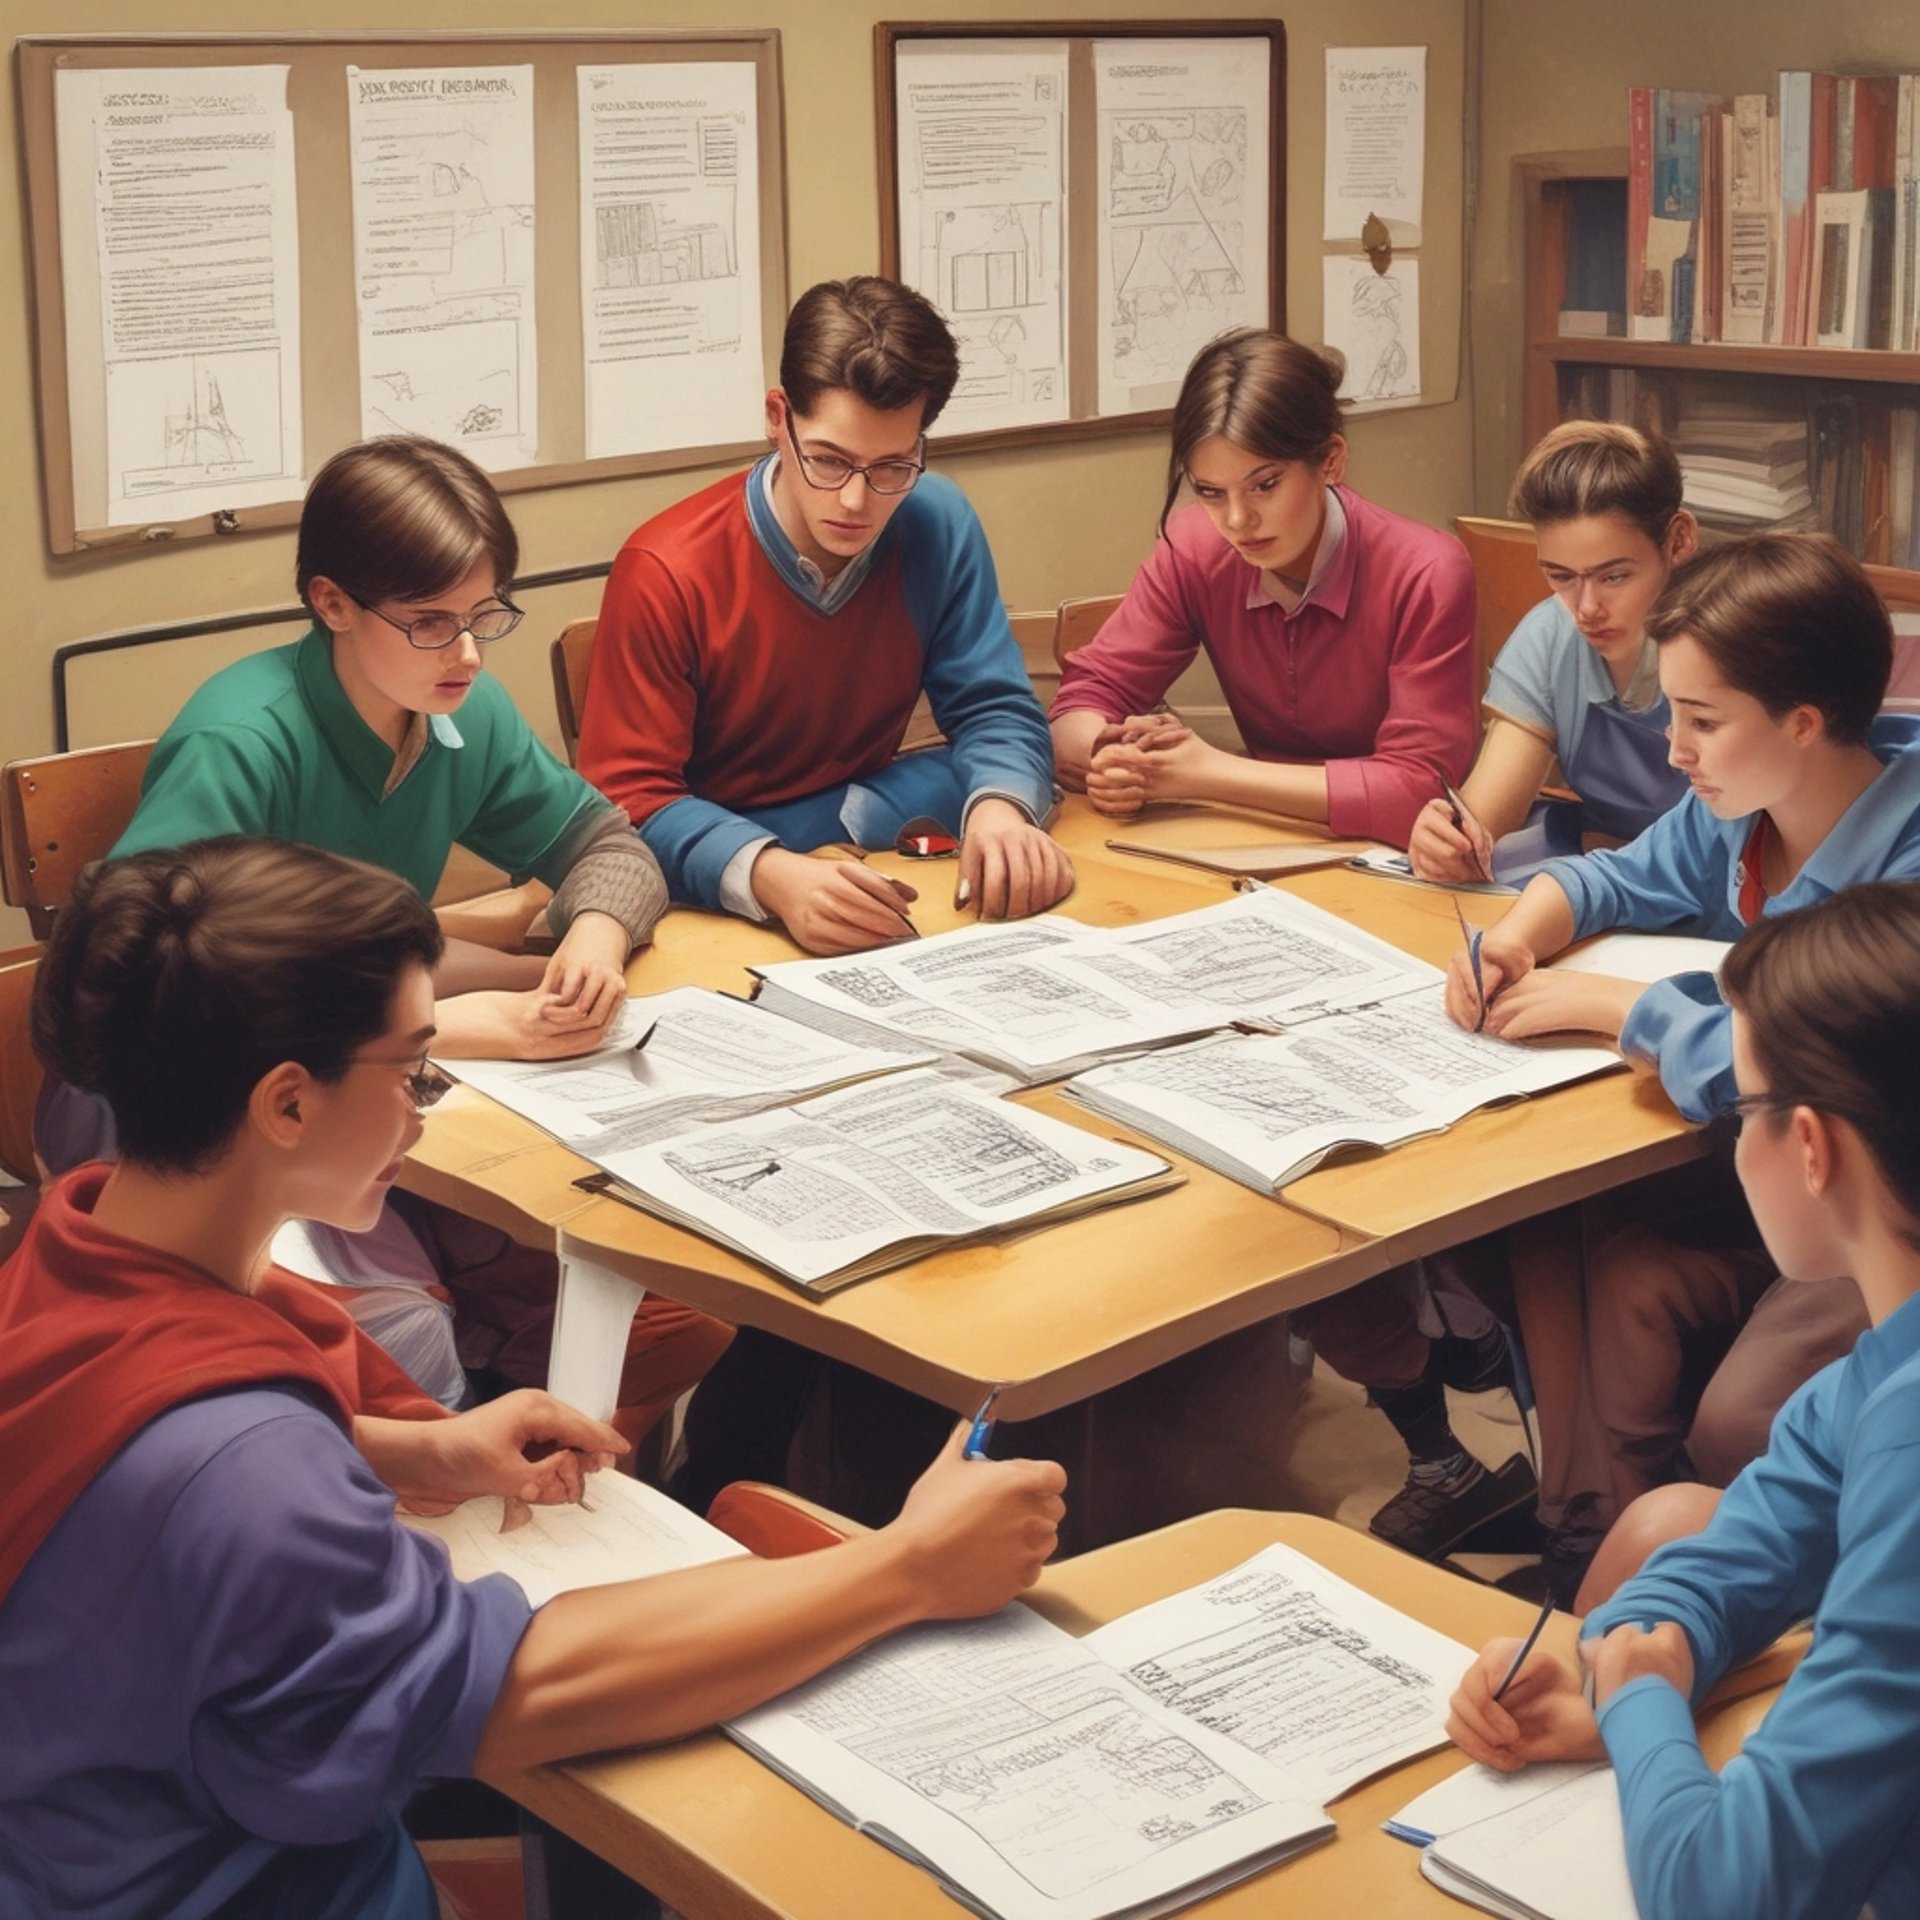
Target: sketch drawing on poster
(981,167)
(1183,207)
(1374,320)
(670,265)
(443,242)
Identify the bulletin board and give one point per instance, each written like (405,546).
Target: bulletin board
(537,333)
(1088,203)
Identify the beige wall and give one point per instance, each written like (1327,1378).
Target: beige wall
(1062,520)
(1555,75)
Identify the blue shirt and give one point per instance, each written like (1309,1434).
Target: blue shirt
(228,1652)
(1821,1812)
(1684,874)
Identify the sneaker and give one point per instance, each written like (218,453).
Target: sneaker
(1428,1521)
(1473,1366)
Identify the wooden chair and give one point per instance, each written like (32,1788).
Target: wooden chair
(1506,581)
(570,655)
(20,1070)
(59,814)
(1075,622)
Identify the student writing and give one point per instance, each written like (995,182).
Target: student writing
(761,646)
(211,1446)
(1342,633)
(1577,682)
(1815,1816)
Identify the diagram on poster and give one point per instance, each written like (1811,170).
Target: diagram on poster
(1183,213)
(177,186)
(443,226)
(982,182)
(1374,319)
(670,256)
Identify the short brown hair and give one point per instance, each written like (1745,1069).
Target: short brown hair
(177,979)
(1832,998)
(401,518)
(1260,390)
(1588,467)
(880,341)
(1790,619)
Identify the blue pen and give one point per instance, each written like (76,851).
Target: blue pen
(982,1430)
(1472,936)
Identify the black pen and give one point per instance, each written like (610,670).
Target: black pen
(1526,1646)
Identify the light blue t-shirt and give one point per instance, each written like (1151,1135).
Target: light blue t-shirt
(1548,676)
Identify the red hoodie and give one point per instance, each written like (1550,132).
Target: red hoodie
(100,1334)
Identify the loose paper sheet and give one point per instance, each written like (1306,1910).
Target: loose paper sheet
(982,183)
(592,1317)
(670,256)
(443,211)
(184,179)
(1183,220)
(1376,141)
(1374,319)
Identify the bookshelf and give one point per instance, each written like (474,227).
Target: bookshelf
(1856,389)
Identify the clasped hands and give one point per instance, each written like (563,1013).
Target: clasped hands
(1144,758)
(1544,1713)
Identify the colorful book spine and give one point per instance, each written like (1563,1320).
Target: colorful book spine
(1639,201)
(1796,134)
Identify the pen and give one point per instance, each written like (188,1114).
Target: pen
(1472,936)
(1526,1646)
(1461,814)
(982,1429)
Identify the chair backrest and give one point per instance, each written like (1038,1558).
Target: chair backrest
(570,655)
(20,1070)
(1506,581)
(775,1524)
(59,814)
(1075,622)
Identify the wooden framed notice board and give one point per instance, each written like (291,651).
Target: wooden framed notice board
(563,253)
(1088,203)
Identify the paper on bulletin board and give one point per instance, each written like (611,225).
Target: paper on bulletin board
(1184,228)
(1374,319)
(982,171)
(177,189)
(1376,141)
(670,256)
(443,214)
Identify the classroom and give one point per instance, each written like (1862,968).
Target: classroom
(1214,1272)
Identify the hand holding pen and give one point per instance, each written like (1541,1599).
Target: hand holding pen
(1448,845)
(1518,1704)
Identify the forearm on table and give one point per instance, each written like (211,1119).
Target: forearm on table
(467,968)
(1073,737)
(651,1660)
(1269,786)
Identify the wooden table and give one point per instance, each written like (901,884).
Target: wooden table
(720,1837)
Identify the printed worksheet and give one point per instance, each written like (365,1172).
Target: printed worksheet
(622,1529)
(177,185)
(1030,1777)
(981,148)
(675,1060)
(1329,1684)
(670,256)
(1264,1109)
(900,1162)
(443,213)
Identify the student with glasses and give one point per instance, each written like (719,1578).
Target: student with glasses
(762,644)
(379,735)
(1815,1817)
(225,1666)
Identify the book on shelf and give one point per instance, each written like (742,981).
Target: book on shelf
(833,1190)
(1175,1751)
(1747,253)
(1664,250)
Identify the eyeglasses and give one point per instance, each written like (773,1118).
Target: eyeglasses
(424,1082)
(829,472)
(491,621)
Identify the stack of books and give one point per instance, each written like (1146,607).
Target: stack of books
(1745,469)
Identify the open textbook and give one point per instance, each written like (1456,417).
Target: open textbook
(621,1529)
(1051,996)
(1265,1108)
(672,1061)
(1171,1753)
(837,1188)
